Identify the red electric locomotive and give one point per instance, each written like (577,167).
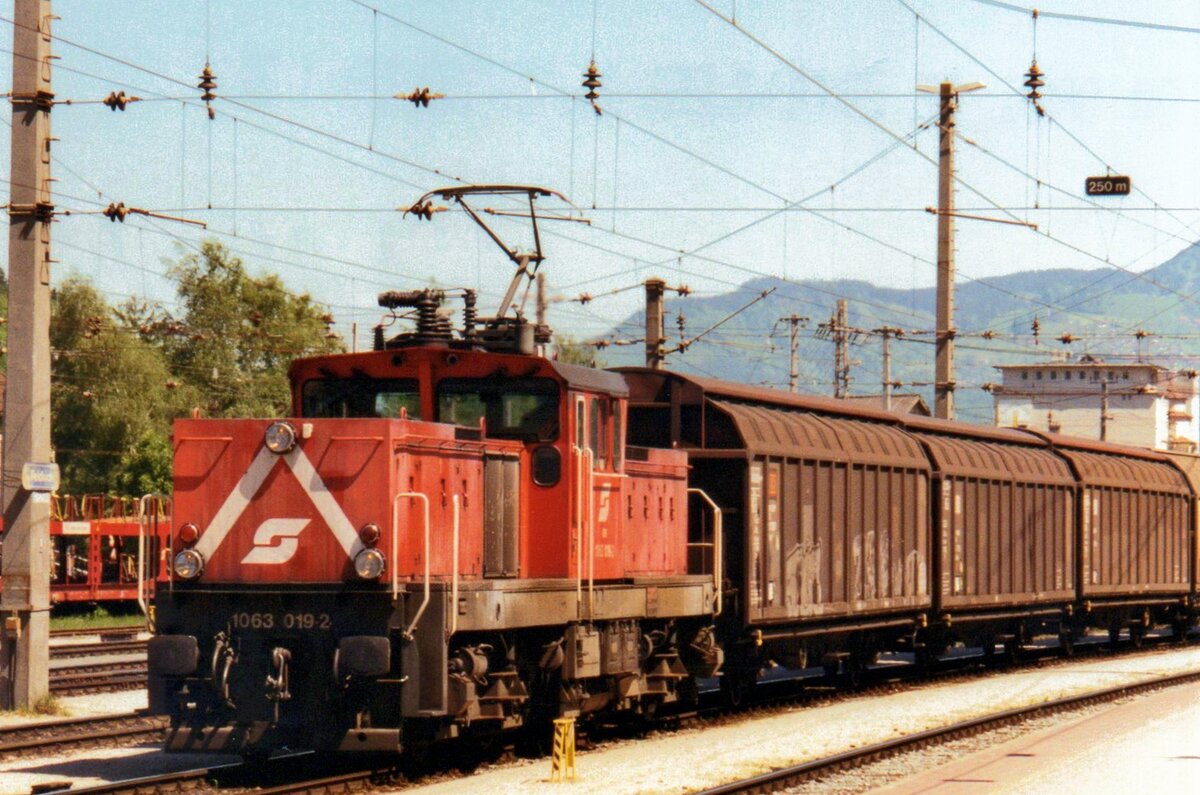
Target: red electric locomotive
(448,536)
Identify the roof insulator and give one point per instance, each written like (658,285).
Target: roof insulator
(117,100)
(591,81)
(420,97)
(208,82)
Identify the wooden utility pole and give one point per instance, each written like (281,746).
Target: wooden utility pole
(655,358)
(25,599)
(796,322)
(944,371)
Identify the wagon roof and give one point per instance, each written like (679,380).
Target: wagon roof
(1114,466)
(779,431)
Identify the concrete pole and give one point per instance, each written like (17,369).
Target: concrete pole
(655,359)
(841,355)
(794,355)
(887,369)
(25,599)
(1104,410)
(944,375)
(795,321)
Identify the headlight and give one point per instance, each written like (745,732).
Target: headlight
(188,564)
(280,437)
(369,564)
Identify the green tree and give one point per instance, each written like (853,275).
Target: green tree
(569,351)
(234,336)
(111,393)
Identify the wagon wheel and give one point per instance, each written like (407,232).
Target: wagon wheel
(1012,651)
(988,646)
(1066,644)
(1114,635)
(737,686)
(1179,628)
(1137,636)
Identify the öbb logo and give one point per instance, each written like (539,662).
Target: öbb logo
(276,541)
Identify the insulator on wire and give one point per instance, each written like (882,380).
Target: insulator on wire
(424,210)
(988,335)
(115,212)
(420,97)
(1036,327)
(208,82)
(1067,338)
(1033,82)
(584,299)
(591,81)
(117,100)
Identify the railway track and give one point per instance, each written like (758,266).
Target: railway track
(104,730)
(98,678)
(784,778)
(285,775)
(67,651)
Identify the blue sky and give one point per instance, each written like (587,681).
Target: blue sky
(668,173)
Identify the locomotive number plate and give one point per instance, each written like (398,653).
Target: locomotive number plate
(287,621)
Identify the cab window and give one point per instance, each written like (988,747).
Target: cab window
(600,431)
(516,408)
(333,398)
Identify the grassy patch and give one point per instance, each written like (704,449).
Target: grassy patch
(95,617)
(46,706)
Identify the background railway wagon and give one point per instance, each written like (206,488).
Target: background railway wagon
(1004,509)
(1189,464)
(1135,526)
(826,515)
(94,549)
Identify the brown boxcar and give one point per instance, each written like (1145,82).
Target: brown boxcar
(1135,522)
(1005,516)
(826,503)
(1189,464)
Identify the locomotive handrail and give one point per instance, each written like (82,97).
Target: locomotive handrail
(715,545)
(156,501)
(454,576)
(590,457)
(415,495)
(577,452)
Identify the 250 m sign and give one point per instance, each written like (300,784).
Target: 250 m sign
(1109,185)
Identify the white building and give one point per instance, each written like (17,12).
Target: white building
(1147,405)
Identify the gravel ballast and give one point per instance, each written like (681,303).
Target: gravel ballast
(692,760)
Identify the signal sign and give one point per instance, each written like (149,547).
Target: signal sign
(1109,185)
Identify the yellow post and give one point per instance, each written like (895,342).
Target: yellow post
(562,760)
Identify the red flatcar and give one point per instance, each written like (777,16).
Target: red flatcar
(107,549)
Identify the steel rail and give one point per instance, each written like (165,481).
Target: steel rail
(104,648)
(25,740)
(791,776)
